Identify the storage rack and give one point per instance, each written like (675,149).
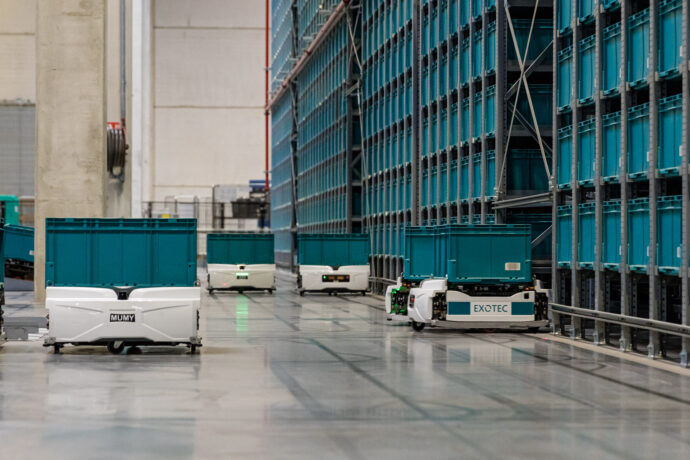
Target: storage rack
(431,69)
(621,191)
(315,108)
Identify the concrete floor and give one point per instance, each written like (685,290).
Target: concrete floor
(327,377)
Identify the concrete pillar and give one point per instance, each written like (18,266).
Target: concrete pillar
(70,116)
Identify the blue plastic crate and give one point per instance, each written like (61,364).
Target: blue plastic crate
(465,62)
(120,252)
(564,89)
(490,58)
(565,156)
(477,175)
(443,198)
(477,61)
(586,159)
(585,11)
(490,105)
(10,204)
(464,13)
(422,258)
(425,189)
(611,234)
(464,179)
(454,124)
(526,171)
(586,70)
(610,5)
(490,174)
(333,249)
(611,146)
(477,9)
(670,134)
(478,119)
(587,235)
(484,253)
(638,235)
(240,248)
(564,241)
(454,181)
(638,48)
(19,243)
(465,122)
(669,234)
(638,141)
(610,67)
(670,37)
(564,15)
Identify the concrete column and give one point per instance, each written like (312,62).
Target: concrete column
(70,116)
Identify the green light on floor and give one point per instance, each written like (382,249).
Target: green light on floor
(242,314)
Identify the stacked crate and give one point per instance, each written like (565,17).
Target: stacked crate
(619,159)
(387,106)
(283,46)
(316,161)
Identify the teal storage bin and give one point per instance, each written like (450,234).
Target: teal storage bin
(610,5)
(490,58)
(526,171)
(422,259)
(490,174)
(542,35)
(610,67)
(2,265)
(120,252)
(564,16)
(464,179)
(490,119)
(611,146)
(240,248)
(454,181)
(19,243)
(564,241)
(477,56)
(482,254)
(670,37)
(433,187)
(586,159)
(333,249)
(638,141)
(9,210)
(465,62)
(443,198)
(638,48)
(587,235)
(477,176)
(669,234)
(586,70)
(611,234)
(464,13)
(465,122)
(638,235)
(670,134)
(425,188)
(542,100)
(565,157)
(454,124)
(564,85)
(585,11)
(478,119)
(477,8)
(538,222)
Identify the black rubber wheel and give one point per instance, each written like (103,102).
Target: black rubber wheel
(210,291)
(240,291)
(301,293)
(116,349)
(56,349)
(389,319)
(335,293)
(364,293)
(533,330)
(192,349)
(418,326)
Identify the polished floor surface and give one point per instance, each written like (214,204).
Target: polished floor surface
(321,377)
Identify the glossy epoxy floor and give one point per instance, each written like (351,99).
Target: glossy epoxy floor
(324,377)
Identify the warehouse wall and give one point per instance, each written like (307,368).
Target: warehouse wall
(208,96)
(18,98)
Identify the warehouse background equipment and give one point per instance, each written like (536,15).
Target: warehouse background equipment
(19,252)
(621,194)
(120,282)
(333,263)
(240,261)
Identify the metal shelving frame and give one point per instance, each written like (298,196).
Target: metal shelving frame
(594,291)
(511,80)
